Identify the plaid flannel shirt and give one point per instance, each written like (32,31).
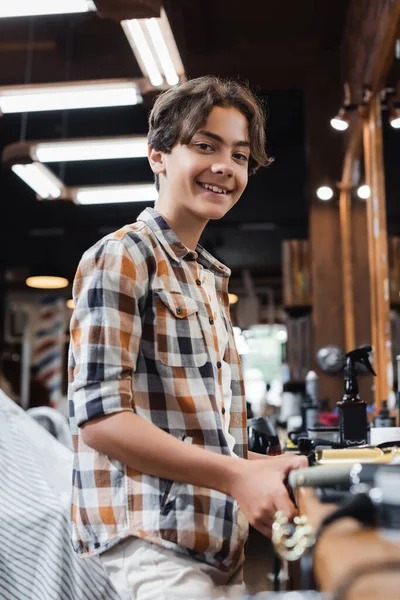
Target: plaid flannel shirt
(143,339)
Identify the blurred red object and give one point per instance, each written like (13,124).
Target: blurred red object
(328,418)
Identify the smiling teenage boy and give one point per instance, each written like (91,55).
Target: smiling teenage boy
(162,488)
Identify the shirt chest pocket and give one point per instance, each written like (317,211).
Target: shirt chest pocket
(179,338)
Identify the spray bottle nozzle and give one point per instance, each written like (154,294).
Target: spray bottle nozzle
(360,355)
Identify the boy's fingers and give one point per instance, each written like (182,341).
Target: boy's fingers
(295,462)
(285,505)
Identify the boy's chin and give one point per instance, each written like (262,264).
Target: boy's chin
(213,214)
(215,217)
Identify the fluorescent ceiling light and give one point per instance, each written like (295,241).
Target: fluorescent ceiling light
(155,49)
(90,149)
(162,51)
(143,192)
(40,179)
(141,50)
(47,186)
(25,8)
(70,95)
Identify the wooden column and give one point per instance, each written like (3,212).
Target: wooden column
(324,160)
(369,39)
(355,260)
(361,288)
(347,267)
(378,251)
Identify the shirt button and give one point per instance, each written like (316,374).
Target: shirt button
(223,411)
(198,281)
(219,364)
(179,310)
(211,321)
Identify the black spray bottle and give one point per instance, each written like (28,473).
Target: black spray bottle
(353,422)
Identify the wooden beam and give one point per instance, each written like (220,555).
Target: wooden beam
(119,10)
(368,43)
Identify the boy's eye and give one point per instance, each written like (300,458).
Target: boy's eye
(240,156)
(204,146)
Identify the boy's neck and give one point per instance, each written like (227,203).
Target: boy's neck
(186,226)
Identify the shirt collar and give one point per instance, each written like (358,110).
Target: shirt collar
(174,247)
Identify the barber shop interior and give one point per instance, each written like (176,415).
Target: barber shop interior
(200,300)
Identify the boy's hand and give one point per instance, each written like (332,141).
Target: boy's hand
(260,490)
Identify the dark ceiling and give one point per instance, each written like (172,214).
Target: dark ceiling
(277,46)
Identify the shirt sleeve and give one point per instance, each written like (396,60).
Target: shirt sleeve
(106,329)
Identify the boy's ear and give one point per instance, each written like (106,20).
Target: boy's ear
(156,160)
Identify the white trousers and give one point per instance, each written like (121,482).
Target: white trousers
(140,570)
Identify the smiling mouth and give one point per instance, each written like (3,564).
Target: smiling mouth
(214,188)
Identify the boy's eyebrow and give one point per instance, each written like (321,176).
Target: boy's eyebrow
(218,138)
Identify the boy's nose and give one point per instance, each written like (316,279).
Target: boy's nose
(222,169)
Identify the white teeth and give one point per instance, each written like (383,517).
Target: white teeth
(214,188)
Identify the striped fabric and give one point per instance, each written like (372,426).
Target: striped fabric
(143,339)
(37,561)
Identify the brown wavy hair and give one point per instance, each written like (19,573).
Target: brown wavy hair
(182,110)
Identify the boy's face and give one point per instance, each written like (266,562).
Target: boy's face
(207,176)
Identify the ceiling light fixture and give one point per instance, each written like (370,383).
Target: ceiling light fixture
(89,149)
(47,282)
(141,49)
(155,49)
(69,95)
(394,115)
(233,298)
(364,192)
(111,194)
(342,120)
(40,179)
(26,8)
(78,149)
(48,187)
(163,54)
(325,193)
